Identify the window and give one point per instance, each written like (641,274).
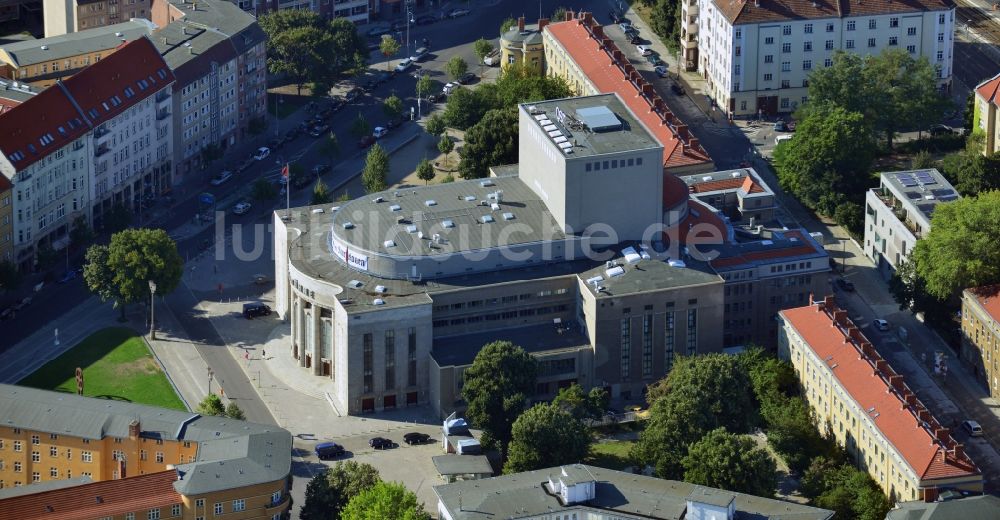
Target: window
(871,42)
(17,466)
(390,359)
(829,27)
(199,503)
(218,508)
(940,19)
(411,357)
(54,472)
(692,331)
(34,439)
(786,30)
(911,31)
(129,516)
(828,62)
(768,77)
(53,451)
(739,34)
(159,457)
(849,44)
(239,505)
(873,24)
(807,65)
(769,40)
(784,104)
(828,45)
(893,41)
(86,456)
(668,340)
(367,361)
(912,49)
(807,46)
(35,476)
(153,514)
(175,510)
(940,55)
(850,25)
(894,22)
(275,498)
(647,345)
(626,347)
(36,457)
(786,66)
(809,28)
(738,51)
(769,58)
(785,83)
(786,47)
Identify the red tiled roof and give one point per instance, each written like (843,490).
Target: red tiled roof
(988,90)
(804,248)
(599,67)
(700,226)
(988,297)
(873,385)
(5,184)
(7,104)
(100,88)
(50,120)
(746,12)
(96,500)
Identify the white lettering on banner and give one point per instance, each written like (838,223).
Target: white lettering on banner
(355,260)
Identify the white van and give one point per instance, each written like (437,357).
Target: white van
(781,138)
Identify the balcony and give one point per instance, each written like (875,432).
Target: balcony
(162,96)
(692,9)
(692,29)
(162,114)
(101,131)
(101,150)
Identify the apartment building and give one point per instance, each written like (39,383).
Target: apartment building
(69,16)
(981,334)
(757,55)
(41,63)
(100,138)
(578,51)
(898,213)
(6,220)
(986,118)
(868,408)
(217,53)
(523,44)
(82,457)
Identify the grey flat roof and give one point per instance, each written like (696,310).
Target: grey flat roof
(432,209)
(985,507)
(920,191)
(230,453)
(546,338)
(530,35)
(43,486)
(566,118)
(73,44)
(453,464)
(649,275)
(211,23)
(21,94)
(622,494)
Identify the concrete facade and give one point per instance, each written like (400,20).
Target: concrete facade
(69,16)
(898,213)
(6,221)
(757,57)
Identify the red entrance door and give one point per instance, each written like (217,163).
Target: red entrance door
(411,399)
(368,405)
(389,402)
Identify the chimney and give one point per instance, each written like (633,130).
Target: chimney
(588,18)
(542,22)
(133,429)
(828,302)
(910,398)
(958,451)
(896,382)
(569,15)
(520,24)
(923,415)
(942,434)
(811,301)
(695,143)
(881,366)
(682,131)
(647,90)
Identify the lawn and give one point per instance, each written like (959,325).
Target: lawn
(116,365)
(610,454)
(285,104)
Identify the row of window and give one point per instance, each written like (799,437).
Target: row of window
(503,300)
(368,359)
(613,164)
(647,342)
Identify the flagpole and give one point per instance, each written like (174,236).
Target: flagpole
(288,192)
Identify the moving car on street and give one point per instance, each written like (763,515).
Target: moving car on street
(846,285)
(380,132)
(221,178)
(241,208)
(882,325)
(661,71)
(643,50)
(459,12)
(973,428)
(404,65)
(262,153)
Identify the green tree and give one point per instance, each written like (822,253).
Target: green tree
(10,277)
(497,385)
(80,233)
(321,194)
(490,142)
(847,491)
(360,126)
(330,146)
(45,256)
(545,436)
(971,172)
(664,19)
(233,411)
(301,52)
(969,112)
(518,83)
(117,219)
(211,405)
(831,153)
(424,84)
(123,269)
(376,172)
(393,106)
(506,25)
(320,88)
(582,405)
(385,500)
(456,67)
(792,433)
(559,14)
(962,248)
(482,47)
(329,491)
(435,125)
(262,190)
(921,160)
(849,215)
(464,108)
(445,146)
(388,47)
(733,462)
(425,171)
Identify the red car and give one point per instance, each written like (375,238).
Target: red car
(366,141)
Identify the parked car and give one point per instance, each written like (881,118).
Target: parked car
(459,12)
(677,89)
(352,95)
(416,438)
(395,122)
(380,132)
(262,153)
(973,428)
(630,31)
(466,78)
(449,87)
(366,141)
(882,325)
(382,77)
(426,20)
(435,97)
(252,310)
(654,60)
(780,126)
(404,65)
(378,32)
(380,443)
(615,16)
(68,276)
(328,450)
(419,54)
(241,208)
(644,50)
(26,301)
(634,39)
(782,138)
(319,130)
(624,24)
(939,130)
(661,71)
(492,59)
(7,314)
(320,169)
(846,285)
(221,178)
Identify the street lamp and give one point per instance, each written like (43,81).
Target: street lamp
(152,309)
(409,20)
(210,374)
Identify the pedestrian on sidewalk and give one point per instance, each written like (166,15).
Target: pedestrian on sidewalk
(263,353)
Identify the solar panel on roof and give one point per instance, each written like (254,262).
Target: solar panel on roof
(549,128)
(555,133)
(539,117)
(565,145)
(560,139)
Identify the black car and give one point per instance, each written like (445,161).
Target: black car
(380,443)
(395,122)
(366,141)
(416,438)
(328,450)
(467,78)
(319,130)
(634,39)
(677,89)
(320,169)
(426,20)
(275,143)
(846,285)
(252,310)
(383,77)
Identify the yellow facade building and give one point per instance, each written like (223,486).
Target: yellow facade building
(523,44)
(58,448)
(981,334)
(858,398)
(987,114)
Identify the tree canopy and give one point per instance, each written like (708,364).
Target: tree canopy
(490,142)
(321,193)
(456,67)
(546,436)
(497,385)
(425,171)
(388,47)
(376,172)
(211,405)
(733,462)
(329,491)
(515,84)
(582,405)
(392,106)
(306,47)
(384,500)
(833,484)
(121,271)
(962,248)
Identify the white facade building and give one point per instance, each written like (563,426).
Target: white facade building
(757,56)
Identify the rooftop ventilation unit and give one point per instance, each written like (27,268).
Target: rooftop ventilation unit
(470,198)
(549,128)
(487,219)
(448,223)
(430,203)
(389,243)
(736,175)
(676,263)
(411,229)
(599,119)
(615,271)
(348,225)
(706,178)
(594,280)
(495,206)
(355,284)
(317,210)
(555,133)
(395,207)
(560,139)
(508,216)
(378,301)
(486,183)
(380,289)
(566,146)
(378,200)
